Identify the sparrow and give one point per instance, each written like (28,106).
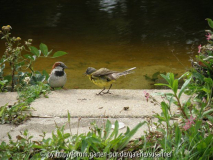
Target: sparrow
(104,77)
(57,77)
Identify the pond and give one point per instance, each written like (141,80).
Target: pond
(154,36)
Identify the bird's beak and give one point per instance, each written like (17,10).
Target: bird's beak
(65,67)
(84,74)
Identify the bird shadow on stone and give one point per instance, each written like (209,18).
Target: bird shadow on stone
(120,96)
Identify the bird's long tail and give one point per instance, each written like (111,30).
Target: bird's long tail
(117,75)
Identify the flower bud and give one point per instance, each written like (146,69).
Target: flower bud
(208,31)
(6,28)
(9,26)
(27,43)
(18,38)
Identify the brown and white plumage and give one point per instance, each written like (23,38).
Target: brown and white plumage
(57,77)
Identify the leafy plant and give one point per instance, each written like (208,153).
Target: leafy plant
(186,135)
(97,141)
(20,111)
(14,113)
(22,78)
(154,77)
(202,67)
(21,57)
(188,138)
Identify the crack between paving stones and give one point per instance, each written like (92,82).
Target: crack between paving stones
(143,117)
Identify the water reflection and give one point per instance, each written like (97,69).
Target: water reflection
(107,5)
(118,34)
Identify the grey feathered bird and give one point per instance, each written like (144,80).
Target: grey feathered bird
(104,77)
(58,77)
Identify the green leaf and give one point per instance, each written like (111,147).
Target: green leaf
(115,131)
(171,100)
(44,49)
(160,118)
(2,60)
(84,146)
(210,118)
(107,129)
(29,57)
(127,131)
(8,78)
(208,112)
(175,86)
(184,87)
(95,148)
(208,91)
(59,54)
(34,51)
(115,143)
(2,109)
(38,77)
(210,22)
(208,80)
(129,135)
(3,82)
(162,84)
(165,110)
(201,146)
(50,52)
(2,67)
(116,128)
(177,136)
(155,76)
(66,135)
(171,78)
(68,116)
(59,133)
(198,76)
(94,140)
(37,146)
(185,74)
(44,72)
(54,136)
(165,77)
(107,148)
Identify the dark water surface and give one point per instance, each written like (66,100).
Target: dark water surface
(152,35)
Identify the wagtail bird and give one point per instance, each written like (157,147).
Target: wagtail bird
(104,77)
(57,77)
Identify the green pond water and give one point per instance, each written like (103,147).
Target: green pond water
(117,34)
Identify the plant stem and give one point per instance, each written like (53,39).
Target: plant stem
(31,69)
(179,104)
(13,74)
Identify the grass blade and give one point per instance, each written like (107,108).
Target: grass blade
(129,135)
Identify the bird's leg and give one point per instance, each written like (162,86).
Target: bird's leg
(108,90)
(100,91)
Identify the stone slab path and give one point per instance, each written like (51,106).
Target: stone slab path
(84,104)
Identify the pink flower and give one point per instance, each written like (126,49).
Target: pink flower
(191,120)
(189,123)
(146,95)
(209,36)
(204,100)
(199,48)
(186,127)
